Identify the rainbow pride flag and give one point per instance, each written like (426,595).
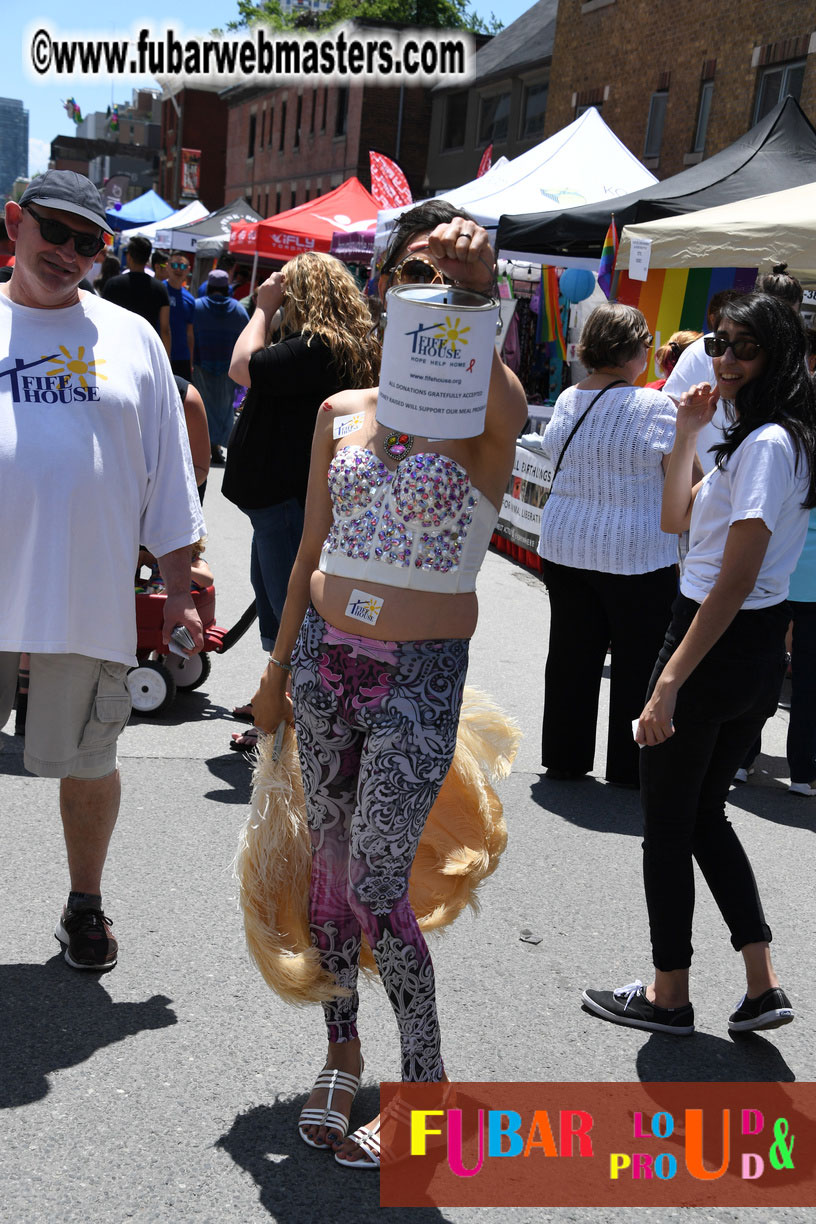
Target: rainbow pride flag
(550,326)
(609,253)
(675,299)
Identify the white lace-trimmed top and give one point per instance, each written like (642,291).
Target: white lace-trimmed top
(422,526)
(604,510)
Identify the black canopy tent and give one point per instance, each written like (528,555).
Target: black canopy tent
(779,152)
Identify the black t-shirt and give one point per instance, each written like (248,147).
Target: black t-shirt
(270,448)
(137,291)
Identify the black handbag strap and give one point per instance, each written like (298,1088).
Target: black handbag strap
(619,382)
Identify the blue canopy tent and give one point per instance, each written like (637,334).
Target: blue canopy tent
(141,211)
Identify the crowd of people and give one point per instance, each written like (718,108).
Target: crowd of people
(345,510)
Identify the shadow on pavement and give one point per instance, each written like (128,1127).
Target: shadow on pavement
(53,1017)
(188,706)
(234,769)
(747,1058)
(771,801)
(591,804)
(296,1182)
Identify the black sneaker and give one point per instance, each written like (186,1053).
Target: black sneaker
(771,1010)
(86,939)
(628,1005)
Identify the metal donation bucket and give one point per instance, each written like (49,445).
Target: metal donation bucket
(436,360)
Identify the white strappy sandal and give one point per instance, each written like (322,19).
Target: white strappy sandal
(367,1139)
(331,1081)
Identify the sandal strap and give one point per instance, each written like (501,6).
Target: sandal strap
(331,1081)
(337,1081)
(331,1118)
(368,1140)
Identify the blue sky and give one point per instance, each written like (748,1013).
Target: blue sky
(44,101)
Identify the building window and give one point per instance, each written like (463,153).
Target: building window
(298,118)
(342,111)
(654,128)
(263,125)
(703,111)
(266,205)
(534,109)
(453,132)
(277,202)
(776,83)
(314,109)
(325,104)
(271,122)
(251,142)
(494,115)
(282,136)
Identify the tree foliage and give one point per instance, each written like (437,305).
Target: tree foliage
(425,14)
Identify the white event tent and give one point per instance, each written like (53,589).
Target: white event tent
(194,211)
(755,233)
(583,163)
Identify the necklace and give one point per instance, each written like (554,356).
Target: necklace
(398,445)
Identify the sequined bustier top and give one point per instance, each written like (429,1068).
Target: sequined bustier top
(422,526)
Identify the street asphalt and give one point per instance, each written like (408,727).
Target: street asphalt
(169,1089)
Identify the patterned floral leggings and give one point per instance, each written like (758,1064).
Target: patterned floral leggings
(376,730)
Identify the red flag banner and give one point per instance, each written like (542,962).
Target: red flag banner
(486,162)
(389,186)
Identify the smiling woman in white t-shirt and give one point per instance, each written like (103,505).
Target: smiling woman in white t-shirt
(717,677)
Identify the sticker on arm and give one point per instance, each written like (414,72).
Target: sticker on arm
(343,425)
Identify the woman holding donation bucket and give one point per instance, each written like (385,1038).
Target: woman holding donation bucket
(609,569)
(373,644)
(718,674)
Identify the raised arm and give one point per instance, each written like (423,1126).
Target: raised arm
(463,252)
(694,411)
(253,337)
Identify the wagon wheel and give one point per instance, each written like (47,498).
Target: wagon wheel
(152,687)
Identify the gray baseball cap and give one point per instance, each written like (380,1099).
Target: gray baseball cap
(70,192)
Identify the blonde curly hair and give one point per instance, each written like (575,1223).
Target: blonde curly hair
(322,299)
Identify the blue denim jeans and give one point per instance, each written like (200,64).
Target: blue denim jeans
(275,541)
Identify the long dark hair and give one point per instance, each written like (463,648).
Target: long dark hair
(783,392)
(419,220)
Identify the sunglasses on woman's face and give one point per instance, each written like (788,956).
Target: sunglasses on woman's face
(417,270)
(57,234)
(744,348)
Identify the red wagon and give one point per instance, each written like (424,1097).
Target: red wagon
(158,675)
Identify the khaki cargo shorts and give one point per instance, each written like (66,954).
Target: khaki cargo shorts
(77,707)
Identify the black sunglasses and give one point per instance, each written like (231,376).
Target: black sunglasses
(57,234)
(744,348)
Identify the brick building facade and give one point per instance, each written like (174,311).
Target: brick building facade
(679,83)
(504,103)
(290,144)
(194,119)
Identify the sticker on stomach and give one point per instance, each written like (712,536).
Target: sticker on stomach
(364,607)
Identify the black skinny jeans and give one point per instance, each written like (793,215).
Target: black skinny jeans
(685,781)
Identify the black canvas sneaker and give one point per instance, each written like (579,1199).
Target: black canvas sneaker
(770,1010)
(628,1005)
(87,940)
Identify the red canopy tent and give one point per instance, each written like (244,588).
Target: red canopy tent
(309,226)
